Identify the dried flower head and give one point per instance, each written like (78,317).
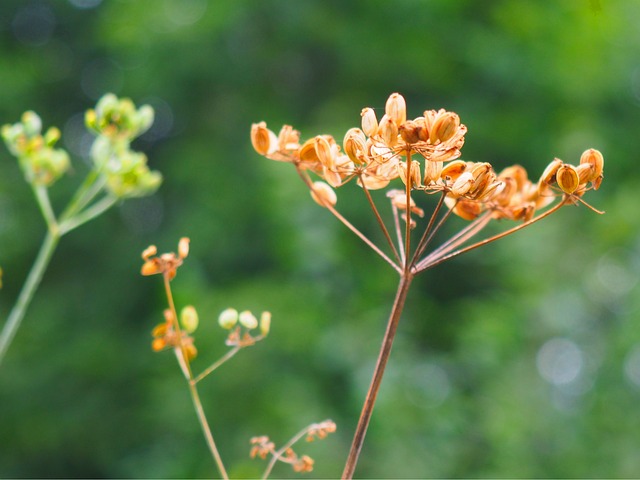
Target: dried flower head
(167,264)
(261,447)
(165,336)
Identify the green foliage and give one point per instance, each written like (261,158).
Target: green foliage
(517,361)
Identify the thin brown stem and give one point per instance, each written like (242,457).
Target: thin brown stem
(305,178)
(383,227)
(440,259)
(424,241)
(407,232)
(383,358)
(396,223)
(458,239)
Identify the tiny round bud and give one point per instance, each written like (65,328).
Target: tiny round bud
(396,108)
(248,320)
(145,118)
(323,194)
(594,158)
(190,351)
(52,136)
(183,247)
(158,344)
(369,122)
(189,318)
(32,123)
(150,251)
(228,318)
(265,323)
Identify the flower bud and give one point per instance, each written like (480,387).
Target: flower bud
(355,144)
(52,136)
(549,175)
(432,171)
(323,194)
(444,127)
(158,344)
(388,130)
(190,351)
(567,178)
(413,176)
(265,323)
(517,172)
(228,318)
(453,170)
(189,319)
(248,320)
(32,123)
(262,139)
(396,108)
(145,118)
(183,247)
(369,122)
(323,152)
(463,184)
(594,158)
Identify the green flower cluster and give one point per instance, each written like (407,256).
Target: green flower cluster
(41,163)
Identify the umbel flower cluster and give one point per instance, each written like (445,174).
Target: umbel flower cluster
(424,155)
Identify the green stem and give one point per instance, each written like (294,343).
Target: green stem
(42,197)
(90,213)
(216,364)
(197,405)
(88,190)
(28,289)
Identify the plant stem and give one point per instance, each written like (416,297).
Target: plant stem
(383,358)
(216,364)
(90,213)
(276,455)
(193,389)
(9,330)
(197,404)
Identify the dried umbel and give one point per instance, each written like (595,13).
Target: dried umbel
(422,155)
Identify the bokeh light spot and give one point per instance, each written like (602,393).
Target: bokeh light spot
(559,361)
(34,24)
(184,12)
(85,4)
(632,366)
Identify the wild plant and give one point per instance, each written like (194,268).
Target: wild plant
(117,173)
(422,157)
(245,330)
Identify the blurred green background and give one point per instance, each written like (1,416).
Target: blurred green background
(521,359)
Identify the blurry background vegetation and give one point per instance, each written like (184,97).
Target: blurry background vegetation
(520,359)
